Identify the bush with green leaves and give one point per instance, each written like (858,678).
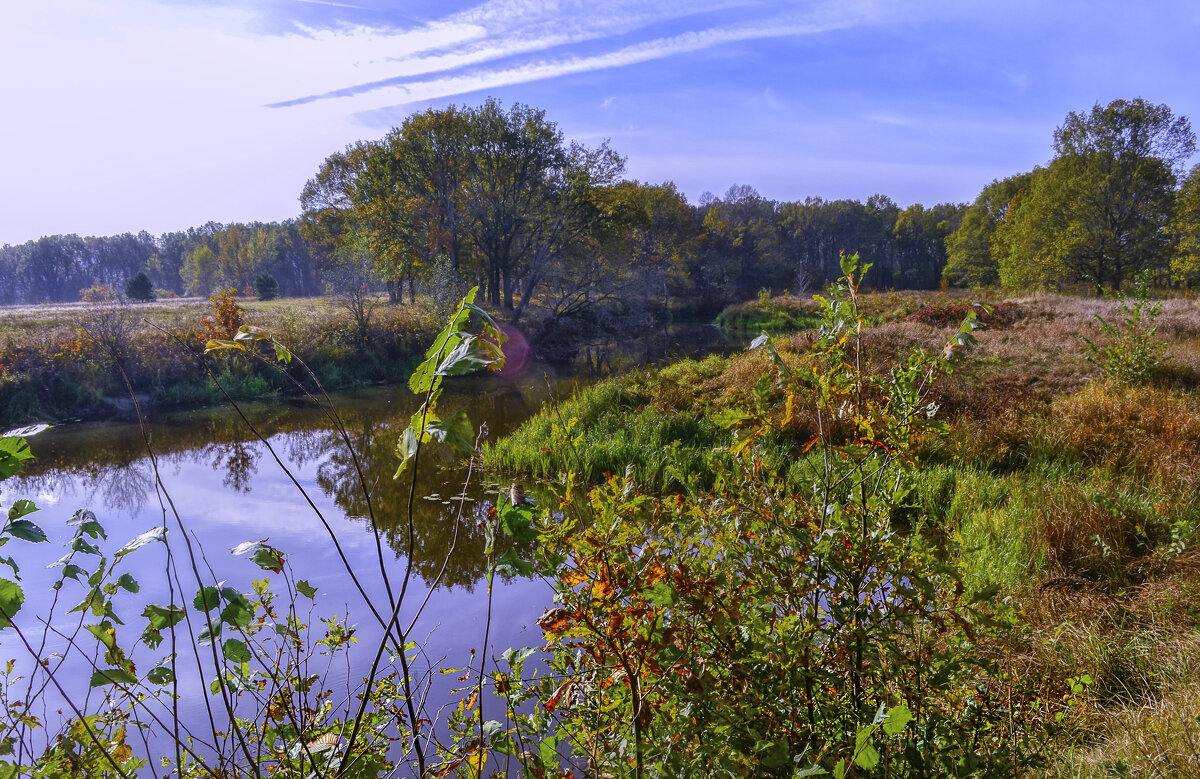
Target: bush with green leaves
(266,287)
(269,659)
(756,629)
(140,287)
(1133,351)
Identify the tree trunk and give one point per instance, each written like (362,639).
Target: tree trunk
(508,291)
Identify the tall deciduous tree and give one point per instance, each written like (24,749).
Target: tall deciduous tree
(1101,209)
(1185,231)
(496,193)
(970,260)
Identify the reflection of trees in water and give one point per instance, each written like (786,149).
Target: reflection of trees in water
(107,464)
(124,487)
(239,459)
(433,523)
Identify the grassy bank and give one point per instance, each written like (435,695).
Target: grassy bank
(65,361)
(1073,492)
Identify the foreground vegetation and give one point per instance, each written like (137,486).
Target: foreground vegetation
(927,538)
(1063,491)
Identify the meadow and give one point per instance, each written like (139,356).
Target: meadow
(933,535)
(1064,486)
(65,361)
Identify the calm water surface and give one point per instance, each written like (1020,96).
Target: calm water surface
(228,487)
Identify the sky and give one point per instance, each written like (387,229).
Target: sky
(129,115)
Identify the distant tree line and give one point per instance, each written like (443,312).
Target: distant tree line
(1108,208)
(58,268)
(496,198)
(551,231)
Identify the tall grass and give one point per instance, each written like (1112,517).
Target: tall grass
(614,430)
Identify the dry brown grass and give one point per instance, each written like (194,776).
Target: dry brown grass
(1135,431)
(1081,536)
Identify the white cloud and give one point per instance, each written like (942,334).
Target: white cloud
(139,114)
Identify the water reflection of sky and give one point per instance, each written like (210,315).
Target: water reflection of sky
(227,488)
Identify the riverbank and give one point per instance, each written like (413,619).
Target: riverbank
(70,362)
(1062,491)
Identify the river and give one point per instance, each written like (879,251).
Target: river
(285,475)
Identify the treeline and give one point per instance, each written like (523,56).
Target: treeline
(60,268)
(496,198)
(1106,209)
(553,234)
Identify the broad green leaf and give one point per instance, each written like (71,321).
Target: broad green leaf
(217,344)
(25,530)
(548,750)
(865,754)
(104,632)
(21,508)
(261,554)
(160,675)
(282,353)
(268,558)
(163,616)
(237,612)
(517,524)
(306,589)
(207,599)
(235,651)
(464,358)
(79,545)
(515,657)
(127,582)
(897,718)
(15,447)
(112,676)
(424,377)
(511,564)
(406,449)
(456,432)
(730,417)
(11,599)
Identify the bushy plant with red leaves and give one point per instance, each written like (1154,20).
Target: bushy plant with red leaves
(950,314)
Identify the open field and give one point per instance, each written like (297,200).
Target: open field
(60,361)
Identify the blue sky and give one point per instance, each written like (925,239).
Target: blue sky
(147,114)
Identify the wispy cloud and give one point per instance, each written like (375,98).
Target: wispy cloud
(513,42)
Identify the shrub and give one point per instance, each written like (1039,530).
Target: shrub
(227,316)
(98,293)
(140,287)
(266,287)
(1133,352)
(768,631)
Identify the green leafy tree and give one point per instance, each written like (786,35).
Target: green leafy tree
(140,287)
(266,287)
(496,192)
(1185,231)
(1100,211)
(970,259)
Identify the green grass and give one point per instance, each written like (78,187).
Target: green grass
(774,315)
(609,428)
